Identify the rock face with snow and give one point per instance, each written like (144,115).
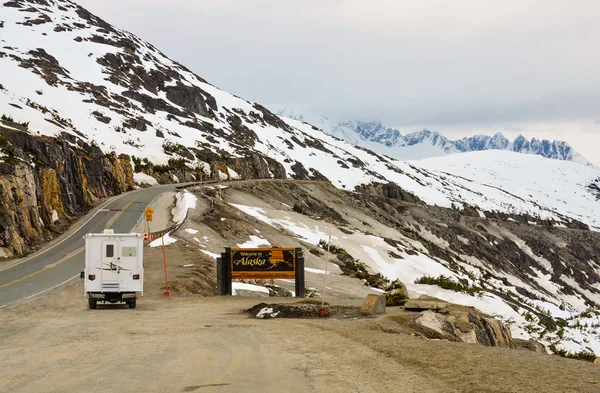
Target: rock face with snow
(539,278)
(45,183)
(67,72)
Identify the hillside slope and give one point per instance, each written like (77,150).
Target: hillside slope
(67,72)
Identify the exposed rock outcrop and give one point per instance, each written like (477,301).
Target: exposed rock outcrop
(389,191)
(530,345)
(45,183)
(468,327)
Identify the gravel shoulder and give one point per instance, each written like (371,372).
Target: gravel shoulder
(56,344)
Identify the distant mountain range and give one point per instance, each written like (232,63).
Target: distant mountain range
(427,144)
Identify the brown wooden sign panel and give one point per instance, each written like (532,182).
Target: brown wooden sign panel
(263,263)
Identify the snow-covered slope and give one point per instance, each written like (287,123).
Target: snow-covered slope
(527,303)
(66,71)
(428,144)
(492,180)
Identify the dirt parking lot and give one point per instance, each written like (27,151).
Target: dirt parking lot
(186,343)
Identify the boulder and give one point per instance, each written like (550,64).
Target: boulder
(302,309)
(425,303)
(530,345)
(373,305)
(597,361)
(467,326)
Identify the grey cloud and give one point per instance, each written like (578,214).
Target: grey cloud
(433,62)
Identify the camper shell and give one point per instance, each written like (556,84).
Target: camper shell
(114,268)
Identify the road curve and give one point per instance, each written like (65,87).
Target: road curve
(61,263)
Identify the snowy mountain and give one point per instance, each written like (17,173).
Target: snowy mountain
(427,144)
(66,73)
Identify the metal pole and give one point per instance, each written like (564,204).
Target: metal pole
(326,262)
(166,293)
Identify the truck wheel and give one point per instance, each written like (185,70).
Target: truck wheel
(132,303)
(92,303)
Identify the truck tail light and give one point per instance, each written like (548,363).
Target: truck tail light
(136,276)
(92,277)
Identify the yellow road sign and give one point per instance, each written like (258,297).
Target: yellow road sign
(148,212)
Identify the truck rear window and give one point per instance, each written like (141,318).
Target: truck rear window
(128,251)
(110,250)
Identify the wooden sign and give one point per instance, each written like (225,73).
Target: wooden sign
(263,263)
(373,305)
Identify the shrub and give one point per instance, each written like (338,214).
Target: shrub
(7,118)
(393,286)
(131,142)
(141,165)
(1,86)
(448,283)
(332,247)
(298,209)
(177,163)
(61,120)
(170,147)
(37,106)
(395,299)
(585,355)
(161,168)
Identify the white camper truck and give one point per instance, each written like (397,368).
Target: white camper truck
(114,267)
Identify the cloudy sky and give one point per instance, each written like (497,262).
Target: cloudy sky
(457,67)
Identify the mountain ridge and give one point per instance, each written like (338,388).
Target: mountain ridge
(354,131)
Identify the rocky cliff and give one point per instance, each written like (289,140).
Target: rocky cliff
(46,183)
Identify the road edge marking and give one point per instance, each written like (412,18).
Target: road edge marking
(47,267)
(39,293)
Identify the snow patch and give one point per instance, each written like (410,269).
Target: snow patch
(316,271)
(235,286)
(142,178)
(184,201)
(158,242)
(211,254)
(255,242)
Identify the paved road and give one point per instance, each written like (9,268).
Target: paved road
(63,262)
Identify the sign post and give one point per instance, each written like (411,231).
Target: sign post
(148,212)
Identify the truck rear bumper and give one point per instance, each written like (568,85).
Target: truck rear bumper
(112,296)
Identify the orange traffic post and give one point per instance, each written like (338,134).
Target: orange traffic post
(166,293)
(322,311)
